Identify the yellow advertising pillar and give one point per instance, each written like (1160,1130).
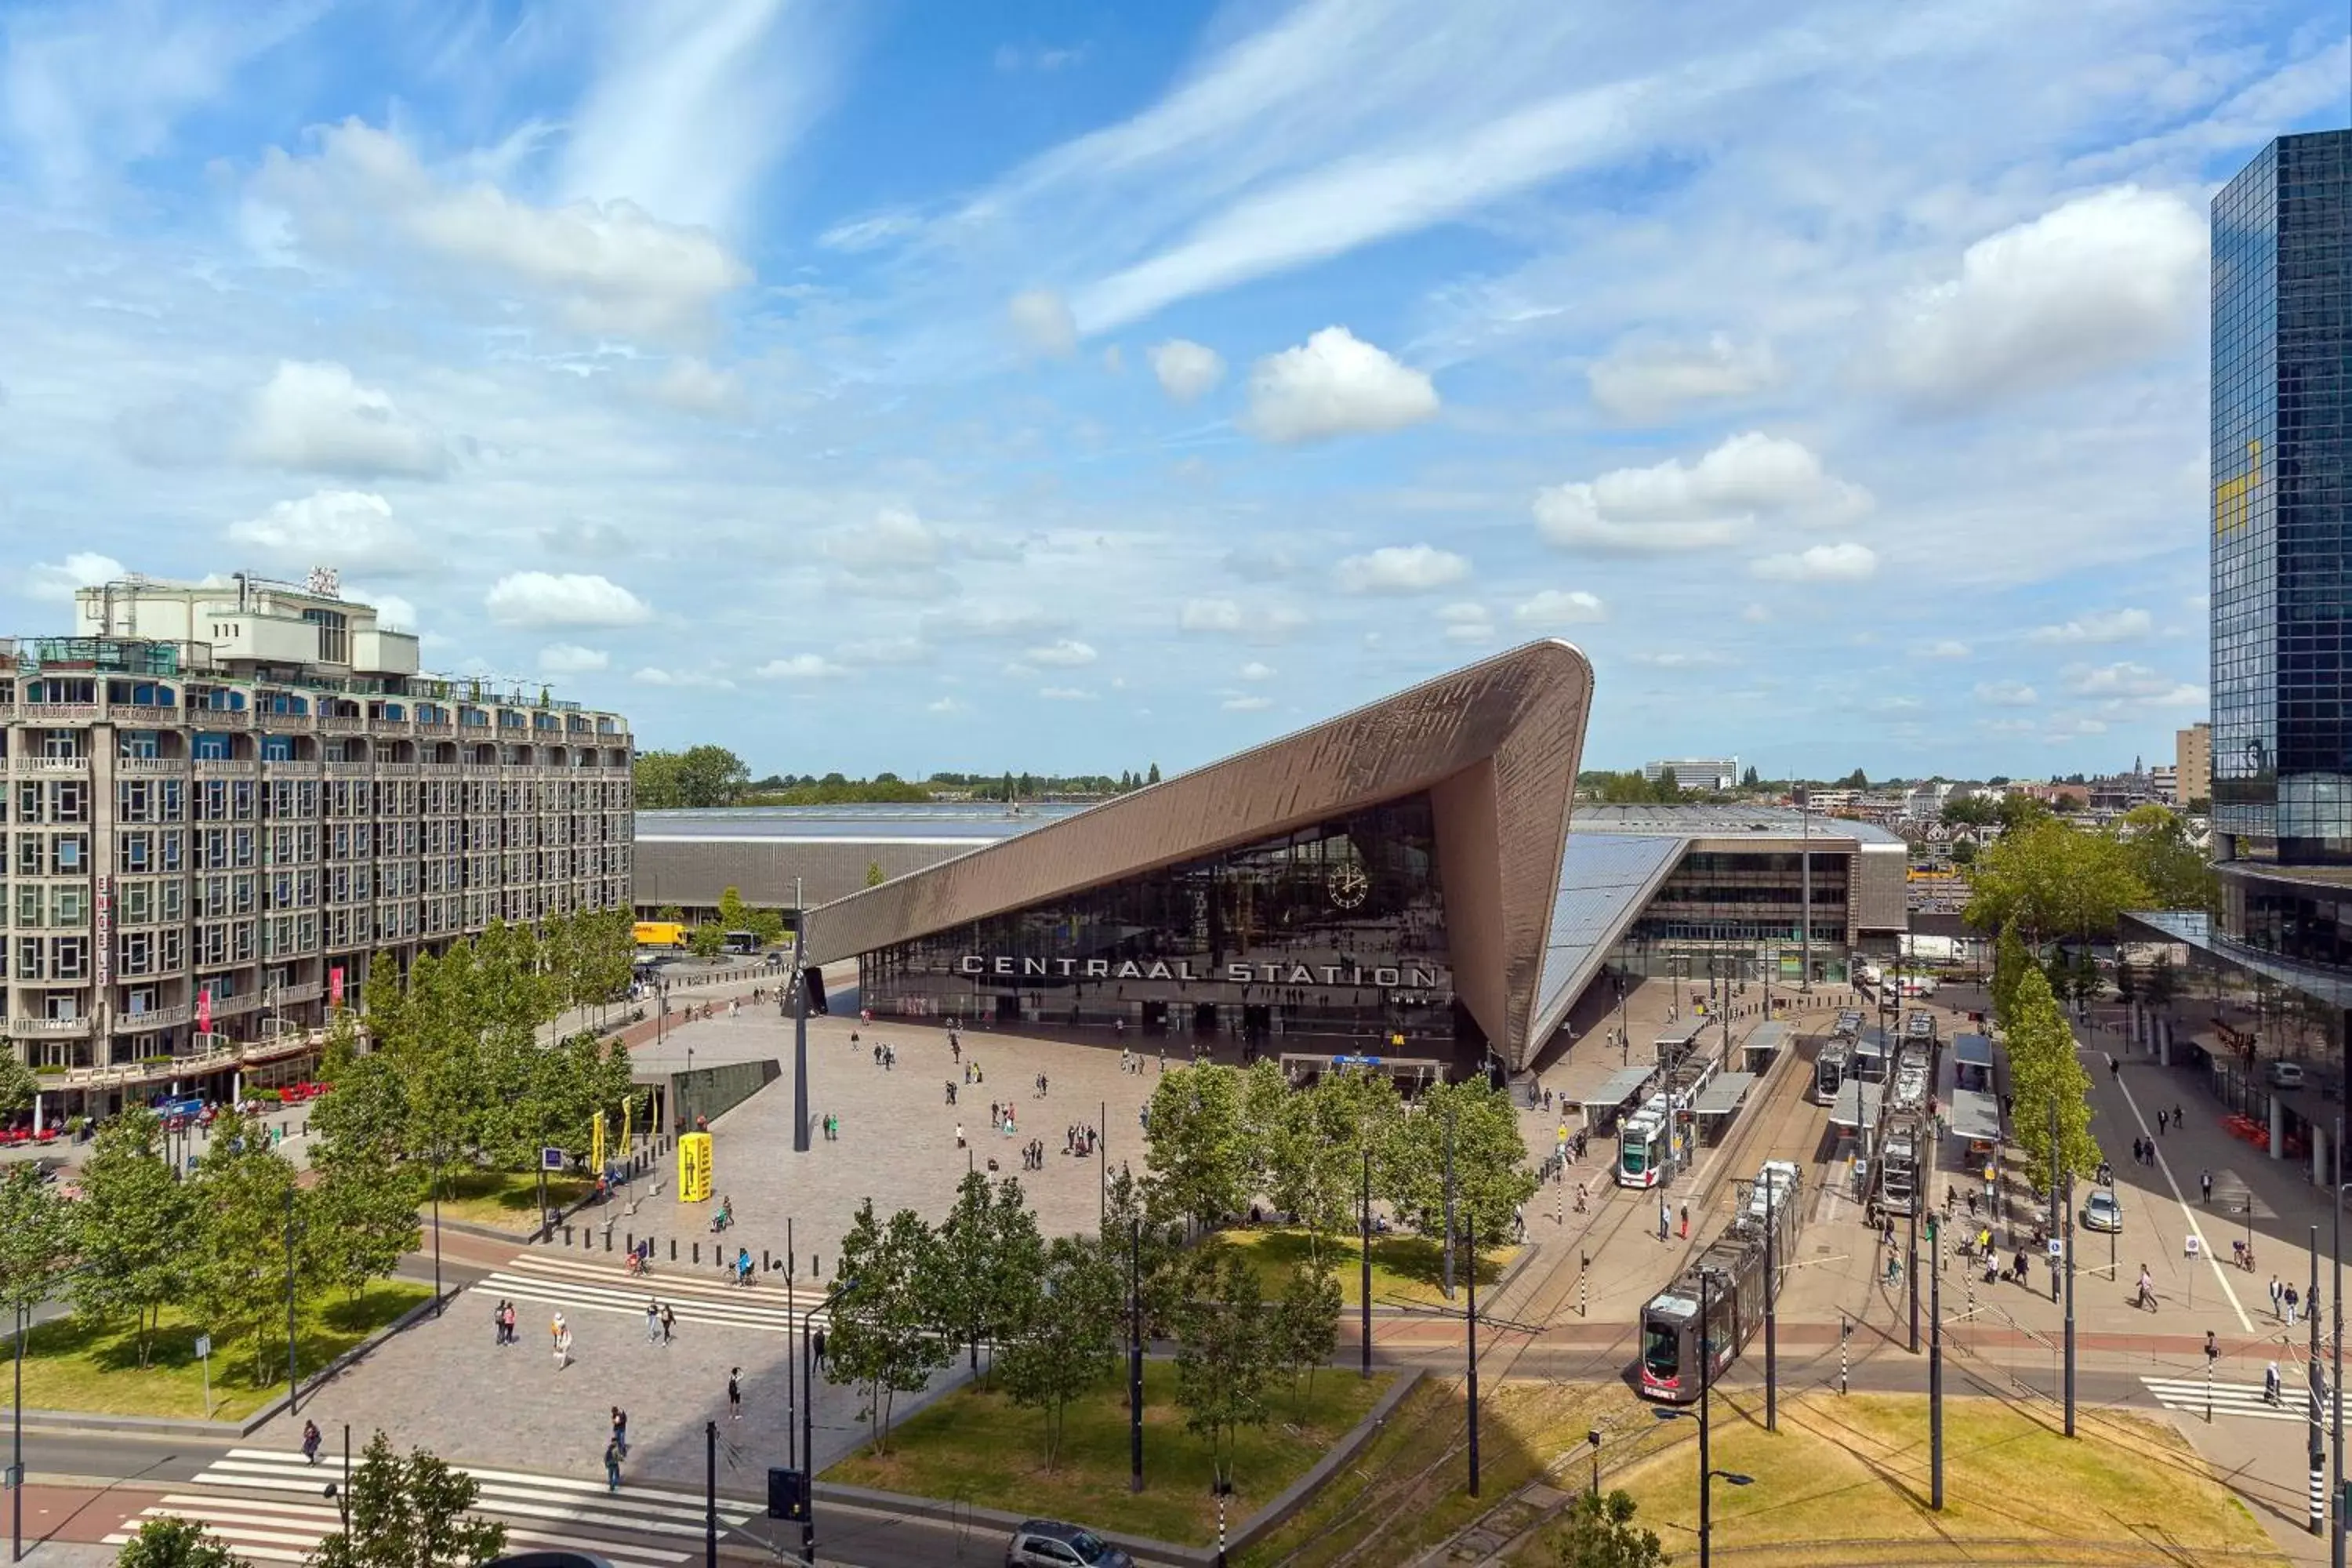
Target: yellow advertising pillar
(694,1168)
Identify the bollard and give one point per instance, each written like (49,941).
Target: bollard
(764,1264)
(673,1249)
(698,1252)
(1845,1332)
(567,1235)
(632,1241)
(608,1239)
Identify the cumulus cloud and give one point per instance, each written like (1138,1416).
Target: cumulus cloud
(570,658)
(692,384)
(57,580)
(798,667)
(1065,654)
(1466,622)
(895,539)
(1253,670)
(2098,626)
(563,599)
(608,266)
(1064,694)
(990,620)
(1400,569)
(2102,281)
(1335,384)
(1210,615)
(1041,320)
(654,675)
(1258,622)
(1821,563)
(2134,684)
(2007,693)
(945,705)
(351,529)
(319,419)
(393,613)
(882,650)
(1674,506)
(1186,370)
(1643,381)
(1560,607)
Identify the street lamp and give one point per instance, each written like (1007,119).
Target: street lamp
(808,1416)
(1708,1473)
(1593,1435)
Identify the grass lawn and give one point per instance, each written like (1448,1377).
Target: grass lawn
(1406,1269)
(1846,1481)
(72,1364)
(506,1199)
(983,1447)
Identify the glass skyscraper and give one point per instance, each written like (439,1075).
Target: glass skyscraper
(2282,498)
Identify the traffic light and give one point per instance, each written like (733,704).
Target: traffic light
(787,1495)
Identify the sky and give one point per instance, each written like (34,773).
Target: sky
(1070,387)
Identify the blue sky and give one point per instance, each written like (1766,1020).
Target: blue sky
(1072,387)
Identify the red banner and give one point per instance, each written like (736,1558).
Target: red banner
(335,986)
(204,1012)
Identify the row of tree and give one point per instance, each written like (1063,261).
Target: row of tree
(2044,1069)
(708,775)
(2050,878)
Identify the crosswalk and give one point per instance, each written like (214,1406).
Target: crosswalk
(2187,1394)
(594,1283)
(635,1527)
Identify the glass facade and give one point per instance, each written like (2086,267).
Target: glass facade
(2306,920)
(1333,932)
(2281,499)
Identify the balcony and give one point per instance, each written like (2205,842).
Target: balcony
(288,769)
(77,767)
(434,727)
(48,1028)
(290,995)
(342,723)
(224,767)
(349,770)
(169,767)
(284,723)
(230,1006)
(170,1018)
(141,714)
(220,718)
(192,1064)
(57,715)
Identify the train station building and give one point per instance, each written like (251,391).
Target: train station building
(1410,878)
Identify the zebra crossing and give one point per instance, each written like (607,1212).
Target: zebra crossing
(2186,1394)
(635,1527)
(595,1284)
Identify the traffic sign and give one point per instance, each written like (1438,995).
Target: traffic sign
(550,1159)
(203,1346)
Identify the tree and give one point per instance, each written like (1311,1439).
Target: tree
(172,1541)
(364,1208)
(673,915)
(1667,789)
(987,1264)
(1964,852)
(35,1237)
(1067,1340)
(1491,1177)
(874,877)
(1196,1146)
(734,914)
(1970,811)
(883,1339)
(1307,1323)
(2175,872)
(2054,880)
(1599,1533)
(132,1227)
(708,940)
(1138,1218)
(410,1513)
(18,1083)
(2044,1070)
(246,1193)
(1223,1353)
(1153,776)
(1748,779)
(2163,980)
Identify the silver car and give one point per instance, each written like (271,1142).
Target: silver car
(2102,1211)
(1047,1544)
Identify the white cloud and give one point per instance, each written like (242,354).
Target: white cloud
(654,675)
(608,266)
(1756,615)
(393,612)
(1064,654)
(1064,694)
(798,667)
(349,529)
(2101,281)
(692,384)
(893,541)
(563,599)
(1260,621)
(1114,359)
(2131,683)
(1186,369)
(570,658)
(871,231)
(1041,321)
(2007,693)
(1679,658)
(2098,626)
(1821,563)
(882,650)
(1335,384)
(319,419)
(1400,569)
(1466,622)
(1253,670)
(1948,647)
(990,620)
(1246,704)
(1560,607)
(82,568)
(945,705)
(1210,615)
(1672,506)
(1644,381)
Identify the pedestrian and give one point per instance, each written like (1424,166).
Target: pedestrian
(816,1348)
(1685,1229)
(621,1430)
(2278,1297)
(613,1465)
(310,1442)
(1665,1220)
(498,1323)
(2293,1301)
(2205,1181)
(512,1338)
(2159,1123)
(2180,1118)
(960,1143)
(562,1343)
(735,1393)
(653,1321)
(668,1323)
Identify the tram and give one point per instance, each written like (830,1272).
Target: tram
(1870,1061)
(1727,1282)
(1829,1070)
(1646,1144)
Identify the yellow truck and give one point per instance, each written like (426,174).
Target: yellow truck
(660,933)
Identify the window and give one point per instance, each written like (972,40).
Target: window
(69,905)
(61,1007)
(167,843)
(133,799)
(137,950)
(68,851)
(170,800)
(70,958)
(31,958)
(171,949)
(62,745)
(137,902)
(133,851)
(334,635)
(211,748)
(28,803)
(278,748)
(69,801)
(139,743)
(139,999)
(28,905)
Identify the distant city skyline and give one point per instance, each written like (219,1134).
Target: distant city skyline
(1156,379)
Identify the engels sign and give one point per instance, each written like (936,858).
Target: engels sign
(1412,976)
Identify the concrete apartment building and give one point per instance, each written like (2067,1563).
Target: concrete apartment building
(2192,753)
(224,799)
(1695,772)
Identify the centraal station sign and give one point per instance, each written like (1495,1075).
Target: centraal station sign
(1386,977)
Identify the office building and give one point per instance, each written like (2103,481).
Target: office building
(1695,772)
(2192,763)
(226,800)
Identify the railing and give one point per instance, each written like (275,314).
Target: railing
(346,723)
(53,764)
(48,1028)
(170,1018)
(230,1006)
(349,770)
(284,723)
(57,714)
(176,766)
(288,768)
(397,770)
(224,767)
(309,991)
(192,1064)
(220,718)
(434,727)
(143,713)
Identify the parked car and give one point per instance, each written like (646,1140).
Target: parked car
(1045,1543)
(2286,1074)
(2104,1211)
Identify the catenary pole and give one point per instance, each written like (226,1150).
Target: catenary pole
(1134,1353)
(1771,1309)
(1470,1317)
(1364,1283)
(2336,1302)
(2318,1517)
(2067,1242)
(1936,1379)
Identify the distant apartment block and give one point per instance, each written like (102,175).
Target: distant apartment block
(2192,753)
(1695,772)
(225,800)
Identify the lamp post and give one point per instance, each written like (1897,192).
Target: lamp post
(1592,1437)
(1708,1473)
(808,1416)
(24,1325)
(1134,1353)
(292,1385)
(436,1228)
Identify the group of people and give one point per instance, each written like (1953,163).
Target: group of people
(2144,1150)
(502,1323)
(2286,1300)
(1078,1139)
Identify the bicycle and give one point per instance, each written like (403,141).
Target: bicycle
(637,1267)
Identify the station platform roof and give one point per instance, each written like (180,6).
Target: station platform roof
(1842,1113)
(1621,1085)
(1974,1116)
(1769,1036)
(1724,1094)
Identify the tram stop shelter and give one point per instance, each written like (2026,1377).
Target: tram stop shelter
(1616,1097)
(1856,1106)
(1763,1045)
(1719,1101)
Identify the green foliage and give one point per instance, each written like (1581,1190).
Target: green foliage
(699,776)
(1748,779)
(36,1236)
(1599,1532)
(884,1336)
(1971,810)
(236,1270)
(673,915)
(874,877)
(2044,1070)
(172,1541)
(1491,1176)
(708,940)
(2052,878)
(410,1513)
(132,1227)
(1305,1324)
(363,1211)
(1198,1148)
(2163,982)
(2010,962)
(18,1083)
(989,1256)
(1068,1337)
(1153,776)
(1225,1351)
(2175,871)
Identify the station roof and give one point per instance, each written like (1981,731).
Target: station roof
(1974,1116)
(1769,1036)
(1842,1113)
(943,825)
(1621,1085)
(1724,1094)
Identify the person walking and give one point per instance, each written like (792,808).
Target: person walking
(1665,1220)
(562,1343)
(2159,1123)
(960,1143)
(816,1348)
(621,1430)
(2294,1299)
(735,1393)
(2278,1297)
(1686,1223)
(310,1442)
(668,1323)
(2205,1182)
(653,1321)
(512,1338)
(612,1456)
